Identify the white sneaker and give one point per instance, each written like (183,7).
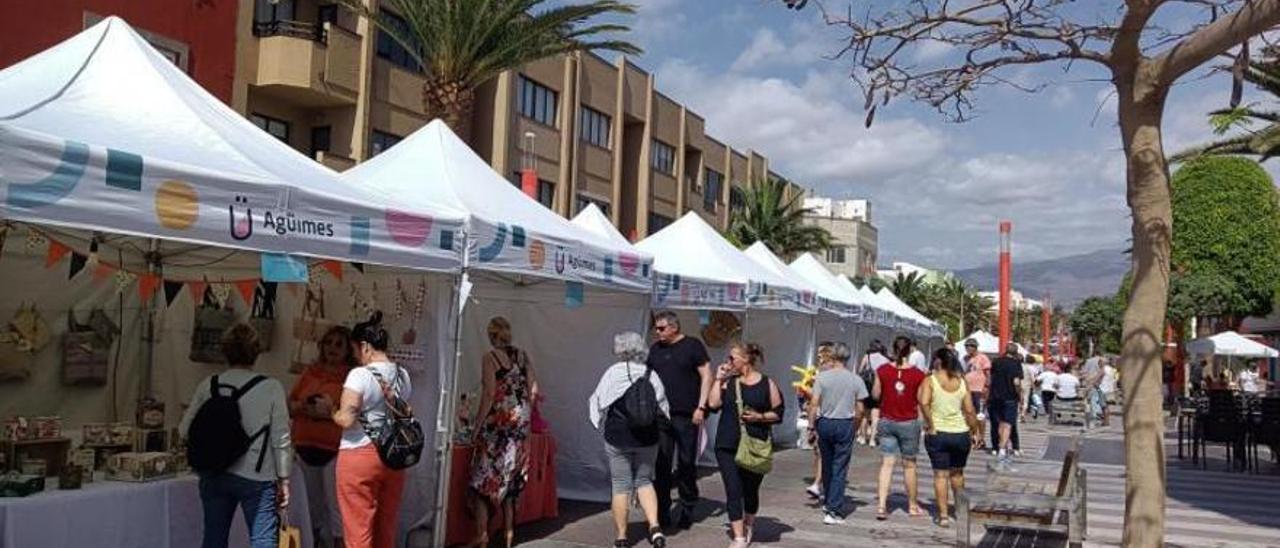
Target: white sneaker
(813,491)
(832,519)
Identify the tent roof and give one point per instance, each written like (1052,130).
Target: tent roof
(106,87)
(690,247)
(988,343)
(594,221)
(763,256)
(433,168)
(1230,343)
(904,308)
(808,268)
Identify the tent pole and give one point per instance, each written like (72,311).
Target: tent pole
(448,408)
(149,328)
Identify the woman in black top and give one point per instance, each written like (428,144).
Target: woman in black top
(762,408)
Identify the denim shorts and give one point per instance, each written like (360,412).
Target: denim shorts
(948,451)
(899,437)
(1003,411)
(630,468)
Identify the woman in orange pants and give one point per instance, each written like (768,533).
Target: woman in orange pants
(368,491)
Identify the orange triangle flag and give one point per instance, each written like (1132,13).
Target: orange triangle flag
(147,284)
(103,272)
(246,288)
(334,267)
(197,291)
(56,252)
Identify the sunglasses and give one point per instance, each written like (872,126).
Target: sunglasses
(661,327)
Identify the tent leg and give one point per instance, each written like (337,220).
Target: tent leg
(447,409)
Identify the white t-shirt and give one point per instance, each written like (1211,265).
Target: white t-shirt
(1048,381)
(372,404)
(1108,380)
(1068,386)
(1248,381)
(917,359)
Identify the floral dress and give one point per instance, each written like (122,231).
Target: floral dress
(500,463)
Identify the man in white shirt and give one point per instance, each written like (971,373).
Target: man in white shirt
(1248,380)
(1108,388)
(1068,385)
(917,359)
(1048,381)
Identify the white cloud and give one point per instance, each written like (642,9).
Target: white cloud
(765,48)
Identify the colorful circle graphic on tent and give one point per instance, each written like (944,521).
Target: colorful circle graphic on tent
(408,229)
(537,254)
(177,205)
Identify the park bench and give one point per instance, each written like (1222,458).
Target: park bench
(1026,500)
(1065,412)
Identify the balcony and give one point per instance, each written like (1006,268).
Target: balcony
(335,162)
(311,65)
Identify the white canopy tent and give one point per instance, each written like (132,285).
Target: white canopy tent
(565,289)
(1231,344)
(987,343)
(698,270)
(115,156)
(846,314)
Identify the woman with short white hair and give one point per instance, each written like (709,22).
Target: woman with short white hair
(631,440)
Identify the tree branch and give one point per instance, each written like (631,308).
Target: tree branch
(1253,17)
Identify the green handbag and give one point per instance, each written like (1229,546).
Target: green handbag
(755,455)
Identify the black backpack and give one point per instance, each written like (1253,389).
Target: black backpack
(216,438)
(640,402)
(399,438)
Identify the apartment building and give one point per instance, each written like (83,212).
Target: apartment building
(339,89)
(856,240)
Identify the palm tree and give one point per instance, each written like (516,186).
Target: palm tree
(1264,142)
(767,214)
(912,290)
(461,44)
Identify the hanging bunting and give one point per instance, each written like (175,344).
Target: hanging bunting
(197,291)
(102,272)
(147,284)
(171,291)
(246,288)
(357,266)
(334,268)
(78,263)
(35,239)
(55,253)
(573,295)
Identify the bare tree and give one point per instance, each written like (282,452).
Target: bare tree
(987,39)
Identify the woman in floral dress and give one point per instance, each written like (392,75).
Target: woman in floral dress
(499,463)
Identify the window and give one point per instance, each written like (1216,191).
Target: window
(658,222)
(736,199)
(320,137)
(711,189)
(547,193)
(595,127)
(276,127)
(267,11)
(663,158)
(391,50)
(379,142)
(835,255)
(584,200)
(537,102)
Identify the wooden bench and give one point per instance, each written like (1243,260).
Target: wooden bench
(1065,412)
(1019,500)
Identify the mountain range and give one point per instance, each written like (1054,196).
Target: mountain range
(1068,279)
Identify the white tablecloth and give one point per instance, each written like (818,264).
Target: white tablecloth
(110,514)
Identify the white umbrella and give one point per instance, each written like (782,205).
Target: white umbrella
(1230,343)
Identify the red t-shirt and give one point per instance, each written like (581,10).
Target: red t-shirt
(898,388)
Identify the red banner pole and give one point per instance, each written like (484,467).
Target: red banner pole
(1006,229)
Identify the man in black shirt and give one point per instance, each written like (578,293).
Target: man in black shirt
(1003,398)
(684,367)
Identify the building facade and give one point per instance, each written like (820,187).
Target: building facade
(856,243)
(929,275)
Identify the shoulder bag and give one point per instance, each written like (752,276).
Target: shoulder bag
(755,455)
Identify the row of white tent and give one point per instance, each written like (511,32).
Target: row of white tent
(101,134)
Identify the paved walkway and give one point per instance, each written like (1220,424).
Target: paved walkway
(1205,508)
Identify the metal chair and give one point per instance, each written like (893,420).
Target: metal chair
(1223,423)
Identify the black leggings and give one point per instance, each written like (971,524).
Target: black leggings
(741,487)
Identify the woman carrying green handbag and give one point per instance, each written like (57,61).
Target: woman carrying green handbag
(744,443)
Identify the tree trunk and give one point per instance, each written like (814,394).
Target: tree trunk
(451,102)
(1141,107)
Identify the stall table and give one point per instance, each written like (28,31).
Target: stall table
(536,503)
(112,513)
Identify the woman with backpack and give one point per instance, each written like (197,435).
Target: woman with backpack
(369,490)
(237,432)
(315,436)
(500,461)
(750,404)
(628,413)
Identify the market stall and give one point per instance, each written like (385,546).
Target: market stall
(722,295)
(565,290)
(142,217)
(1232,347)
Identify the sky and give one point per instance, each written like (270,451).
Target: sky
(764,78)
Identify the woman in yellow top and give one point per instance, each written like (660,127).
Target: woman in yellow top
(951,427)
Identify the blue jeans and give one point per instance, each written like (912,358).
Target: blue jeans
(835,442)
(221,493)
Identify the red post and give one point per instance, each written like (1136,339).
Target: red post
(529,182)
(1006,271)
(529,167)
